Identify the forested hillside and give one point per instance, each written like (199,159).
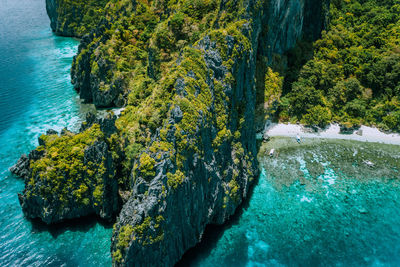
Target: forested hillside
(353,76)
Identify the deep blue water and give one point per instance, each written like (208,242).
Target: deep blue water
(36,94)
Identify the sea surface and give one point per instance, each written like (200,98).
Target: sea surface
(36,94)
(317,204)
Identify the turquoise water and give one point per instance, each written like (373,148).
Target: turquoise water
(36,94)
(340,223)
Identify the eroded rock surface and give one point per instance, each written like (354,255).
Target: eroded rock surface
(66,177)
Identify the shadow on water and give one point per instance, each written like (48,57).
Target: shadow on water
(83,224)
(213,233)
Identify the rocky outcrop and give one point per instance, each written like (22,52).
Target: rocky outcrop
(190,134)
(51,8)
(67,18)
(22,167)
(79,182)
(90,83)
(167,215)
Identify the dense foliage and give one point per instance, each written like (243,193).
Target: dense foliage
(142,48)
(354,75)
(67,174)
(157,50)
(77,17)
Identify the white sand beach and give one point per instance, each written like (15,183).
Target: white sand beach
(365,134)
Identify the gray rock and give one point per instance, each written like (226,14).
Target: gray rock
(47,206)
(176,114)
(266,137)
(171,220)
(21,168)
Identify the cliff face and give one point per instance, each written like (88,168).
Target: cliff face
(90,76)
(187,75)
(71,175)
(77,19)
(74,18)
(289,21)
(51,8)
(159,222)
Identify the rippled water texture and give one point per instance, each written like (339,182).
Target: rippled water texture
(36,94)
(315,213)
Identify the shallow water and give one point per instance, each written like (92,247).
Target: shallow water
(331,220)
(36,94)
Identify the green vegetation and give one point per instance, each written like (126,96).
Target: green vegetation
(354,75)
(156,48)
(174,180)
(62,175)
(147,166)
(78,17)
(142,48)
(147,233)
(124,237)
(153,51)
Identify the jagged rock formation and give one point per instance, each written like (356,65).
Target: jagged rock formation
(67,177)
(187,75)
(74,18)
(160,222)
(93,84)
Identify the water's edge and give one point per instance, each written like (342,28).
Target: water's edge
(35,95)
(310,209)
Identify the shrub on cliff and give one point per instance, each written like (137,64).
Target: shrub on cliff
(74,177)
(75,17)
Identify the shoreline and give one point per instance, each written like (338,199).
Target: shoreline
(364,134)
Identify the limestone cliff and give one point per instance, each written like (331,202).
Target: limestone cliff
(74,18)
(160,222)
(186,73)
(71,175)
